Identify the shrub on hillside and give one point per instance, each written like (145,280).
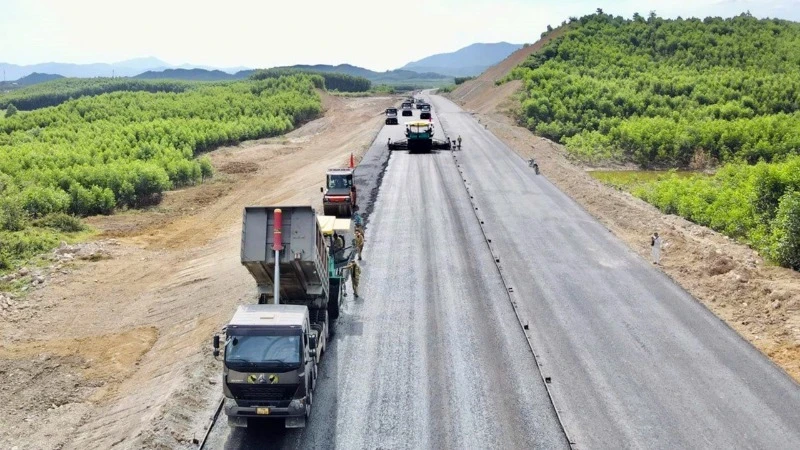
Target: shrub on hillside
(786,231)
(62,222)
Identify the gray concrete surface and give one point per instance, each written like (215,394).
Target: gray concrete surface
(430,355)
(635,361)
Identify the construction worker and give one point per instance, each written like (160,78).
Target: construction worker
(459,141)
(358,220)
(359,241)
(655,244)
(355,274)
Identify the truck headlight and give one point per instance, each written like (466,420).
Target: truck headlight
(297,406)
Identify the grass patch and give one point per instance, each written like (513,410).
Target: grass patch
(629,180)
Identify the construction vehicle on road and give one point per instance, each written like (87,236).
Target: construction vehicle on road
(272,349)
(340,199)
(391,116)
(407,109)
(419,138)
(425,112)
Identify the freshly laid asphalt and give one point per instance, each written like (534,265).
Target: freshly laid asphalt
(459,246)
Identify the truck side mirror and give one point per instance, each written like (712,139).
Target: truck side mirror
(322,189)
(216,345)
(353,188)
(312,342)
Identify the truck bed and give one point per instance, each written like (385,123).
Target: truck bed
(303,261)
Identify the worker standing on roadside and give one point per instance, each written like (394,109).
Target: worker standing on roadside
(655,243)
(355,274)
(359,243)
(459,141)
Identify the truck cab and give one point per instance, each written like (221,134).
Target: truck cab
(407,109)
(271,354)
(391,116)
(339,196)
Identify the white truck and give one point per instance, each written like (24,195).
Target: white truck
(272,349)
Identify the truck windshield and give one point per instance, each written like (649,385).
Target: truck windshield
(263,352)
(339,182)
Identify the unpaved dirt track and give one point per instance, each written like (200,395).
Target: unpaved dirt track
(430,355)
(635,361)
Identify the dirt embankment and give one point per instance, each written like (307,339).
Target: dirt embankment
(113,351)
(760,301)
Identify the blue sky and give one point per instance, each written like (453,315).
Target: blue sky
(379,35)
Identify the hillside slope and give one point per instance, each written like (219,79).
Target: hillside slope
(468,61)
(30,80)
(481,94)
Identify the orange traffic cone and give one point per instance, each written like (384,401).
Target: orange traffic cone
(352,161)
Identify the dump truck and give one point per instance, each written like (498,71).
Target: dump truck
(419,139)
(340,198)
(391,116)
(407,109)
(272,349)
(425,113)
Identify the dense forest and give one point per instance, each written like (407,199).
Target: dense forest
(123,149)
(658,91)
(683,93)
(334,81)
(55,92)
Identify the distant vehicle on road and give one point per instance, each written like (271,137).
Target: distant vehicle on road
(391,116)
(425,113)
(419,136)
(407,109)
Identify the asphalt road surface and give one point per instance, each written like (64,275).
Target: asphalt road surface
(432,354)
(635,361)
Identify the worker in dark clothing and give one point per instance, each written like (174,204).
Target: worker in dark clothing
(355,274)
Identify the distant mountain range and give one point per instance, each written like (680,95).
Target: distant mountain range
(194,75)
(468,61)
(33,78)
(389,76)
(126,68)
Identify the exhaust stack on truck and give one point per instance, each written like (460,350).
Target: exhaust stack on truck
(272,350)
